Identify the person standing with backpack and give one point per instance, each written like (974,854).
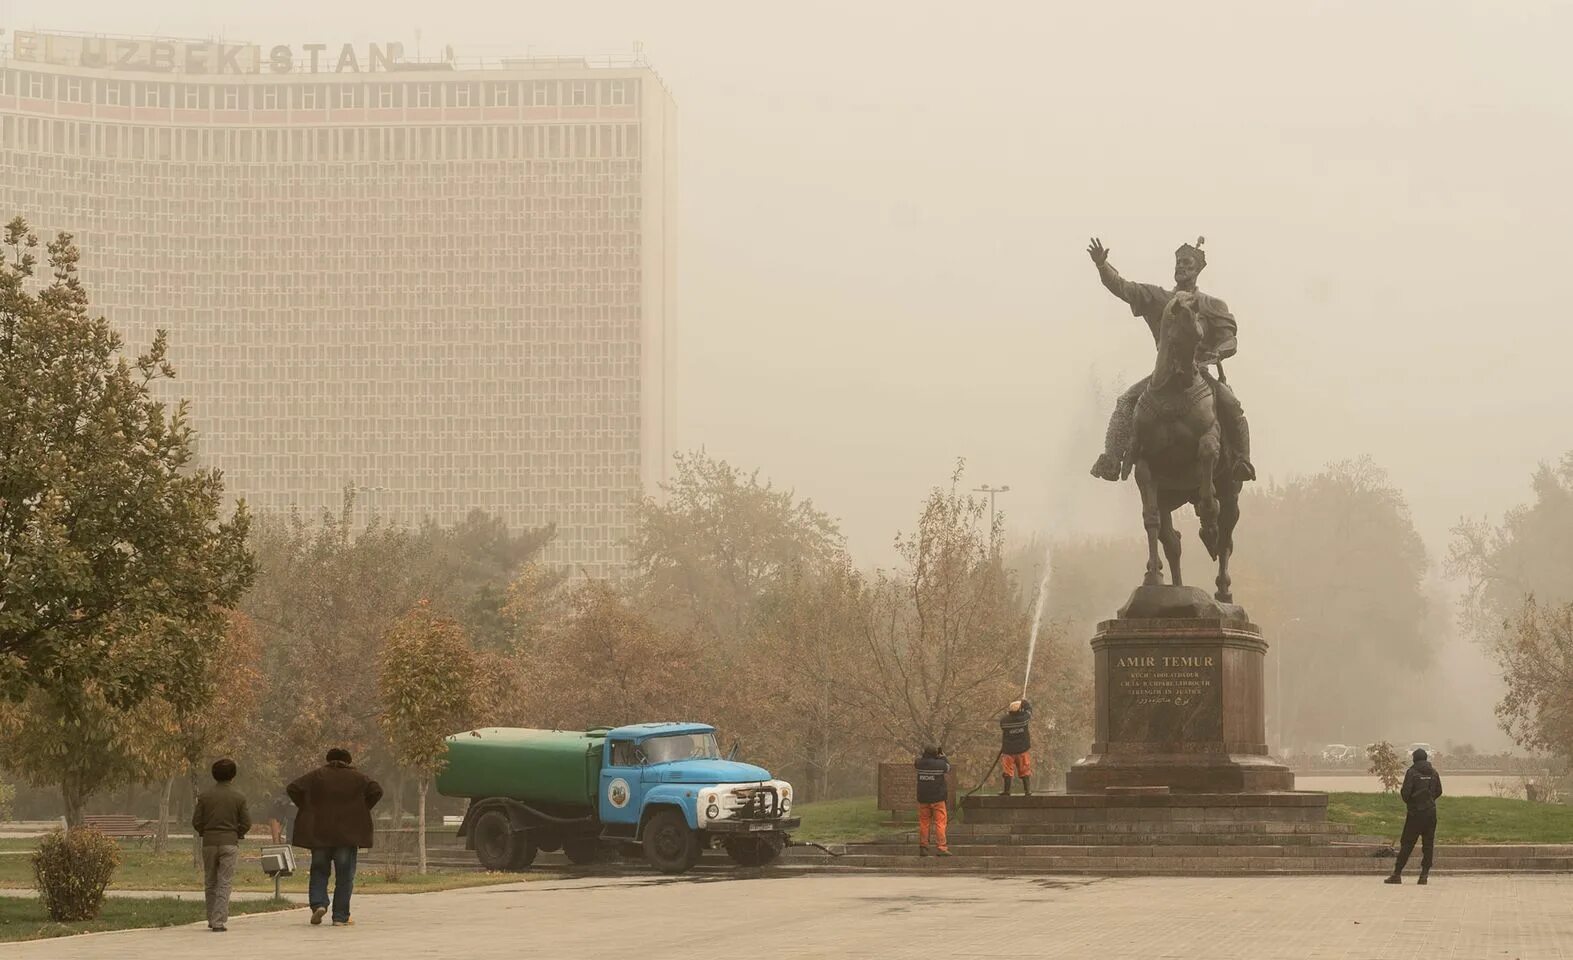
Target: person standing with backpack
(1422,785)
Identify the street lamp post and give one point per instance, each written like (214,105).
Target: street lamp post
(992,492)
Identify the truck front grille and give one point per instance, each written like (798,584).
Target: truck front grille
(755,803)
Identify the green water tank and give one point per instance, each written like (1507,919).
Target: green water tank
(550,768)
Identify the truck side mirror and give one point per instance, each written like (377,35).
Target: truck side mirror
(732,753)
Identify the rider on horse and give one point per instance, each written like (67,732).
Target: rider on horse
(1147,301)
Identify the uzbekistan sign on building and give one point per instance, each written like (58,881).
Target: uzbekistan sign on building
(197,56)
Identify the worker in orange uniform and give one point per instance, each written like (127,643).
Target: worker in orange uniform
(933,790)
(1016,746)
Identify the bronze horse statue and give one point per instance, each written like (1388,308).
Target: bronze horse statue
(1178,453)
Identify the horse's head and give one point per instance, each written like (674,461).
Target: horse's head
(1182,325)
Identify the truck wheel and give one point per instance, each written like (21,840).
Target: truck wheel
(754,851)
(523,851)
(582,850)
(669,845)
(495,842)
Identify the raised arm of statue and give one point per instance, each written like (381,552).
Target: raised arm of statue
(1143,298)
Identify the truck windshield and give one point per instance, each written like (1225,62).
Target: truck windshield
(681,746)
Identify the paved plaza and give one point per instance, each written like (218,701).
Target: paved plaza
(867,917)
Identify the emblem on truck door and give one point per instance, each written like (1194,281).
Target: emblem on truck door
(617,793)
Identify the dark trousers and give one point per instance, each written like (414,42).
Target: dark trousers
(341,860)
(1417,826)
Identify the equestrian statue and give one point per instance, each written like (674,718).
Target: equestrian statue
(1181,430)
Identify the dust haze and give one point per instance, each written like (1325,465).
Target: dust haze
(883,209)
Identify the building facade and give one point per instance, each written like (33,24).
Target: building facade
(449,286)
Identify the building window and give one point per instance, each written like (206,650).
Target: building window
(461,95)
(270,98)
(423,95)
(74,90)
(619,93)
(35,86)
(578,94)
(385,96)
(502,95)
(150,95)
(542,93)
(112,93)
(193,98)
(347,96)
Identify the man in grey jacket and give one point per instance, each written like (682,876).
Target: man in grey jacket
(1422,785)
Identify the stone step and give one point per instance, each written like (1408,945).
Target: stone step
(1033,851)
(1158,827)
(1182,866)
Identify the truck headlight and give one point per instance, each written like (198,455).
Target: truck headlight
(712,812)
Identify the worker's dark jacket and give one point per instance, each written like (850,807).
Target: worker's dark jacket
(1015,732)
(335,804)
(931,779)
(1422,785)
(220,819)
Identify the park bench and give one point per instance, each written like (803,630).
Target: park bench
(120,825)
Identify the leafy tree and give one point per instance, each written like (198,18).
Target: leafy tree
(719,540)
(1331,567)
(466,571)
(114,557)
(945,635)
(326,595)
(1529,554)
(798,707)
(607,663)
(78,740)
(1386,764)
(426,678)
(1535,652)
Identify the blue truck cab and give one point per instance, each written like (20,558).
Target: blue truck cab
(666,787)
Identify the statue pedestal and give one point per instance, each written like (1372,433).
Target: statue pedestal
(1180,704)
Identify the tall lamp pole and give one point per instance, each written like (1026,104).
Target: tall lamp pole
(992,491)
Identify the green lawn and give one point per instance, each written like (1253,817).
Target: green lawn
(142,869)
(842,821)
(24,919)
(1459,819)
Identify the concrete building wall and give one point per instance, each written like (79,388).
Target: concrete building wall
(450,289)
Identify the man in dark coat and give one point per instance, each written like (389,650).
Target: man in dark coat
(1422,785)
(221,820)
(933,792)
(1016,745)
(334,823)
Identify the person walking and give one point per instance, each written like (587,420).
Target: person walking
(933,792)
(1422,785)
(334,823)
(221,820)
(1016,746)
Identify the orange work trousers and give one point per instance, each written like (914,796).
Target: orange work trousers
(1016,764)
(938,816)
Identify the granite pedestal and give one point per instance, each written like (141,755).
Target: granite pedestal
(1180,704)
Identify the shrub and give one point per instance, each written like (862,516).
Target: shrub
(72,870)
(1386,764)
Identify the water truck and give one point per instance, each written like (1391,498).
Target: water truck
(660,789)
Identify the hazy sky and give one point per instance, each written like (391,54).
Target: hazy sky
(883,210)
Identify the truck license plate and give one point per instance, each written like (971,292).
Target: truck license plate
(760,826)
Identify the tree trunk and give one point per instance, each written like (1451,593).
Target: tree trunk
(420,823)
(75,801)
(196,838)
(161,838)
(396,837)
